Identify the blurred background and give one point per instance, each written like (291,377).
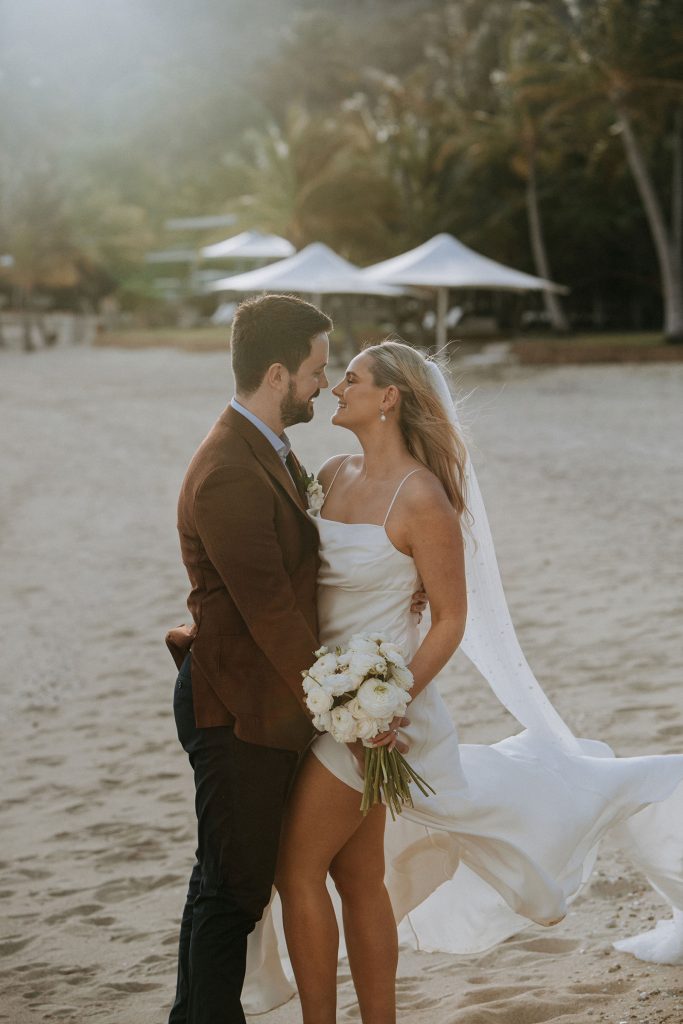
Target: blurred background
(160,159)
(544,134)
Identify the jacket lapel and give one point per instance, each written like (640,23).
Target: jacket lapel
(297,473)
(265,453)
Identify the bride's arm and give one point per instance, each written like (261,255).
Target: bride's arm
(431,530)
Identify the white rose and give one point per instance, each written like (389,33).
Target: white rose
(321,650)
(393,653)
(308,683)
(366,727)
(380,699)
(323,667)
(360,644)
(402,705)
(402,676)
(323,721)
(338,683)
(318,700)
(343,725)
(363,665)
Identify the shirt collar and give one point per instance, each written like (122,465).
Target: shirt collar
(281,443)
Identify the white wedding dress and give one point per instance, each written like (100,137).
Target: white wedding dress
(512,832)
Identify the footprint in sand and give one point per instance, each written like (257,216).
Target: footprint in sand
(494,993)
(526,1008)
(550,946)
(13,945)
(36,873)
(83,910)
(128,888)
(668,731)
(132,986)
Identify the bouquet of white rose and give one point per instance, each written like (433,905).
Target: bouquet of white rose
(354,692)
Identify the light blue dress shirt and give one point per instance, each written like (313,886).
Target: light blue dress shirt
(281,443)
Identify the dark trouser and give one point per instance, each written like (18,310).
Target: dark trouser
(240,793)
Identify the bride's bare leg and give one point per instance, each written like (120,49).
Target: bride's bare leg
(369,924)
(323,818)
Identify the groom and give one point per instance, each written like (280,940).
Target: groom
(251,555)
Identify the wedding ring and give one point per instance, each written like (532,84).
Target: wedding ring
(395,732)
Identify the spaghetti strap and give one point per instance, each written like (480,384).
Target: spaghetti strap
(336,474)
(391,505)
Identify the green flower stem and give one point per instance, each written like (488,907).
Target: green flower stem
(388,778)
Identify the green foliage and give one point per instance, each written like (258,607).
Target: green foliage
(367,125)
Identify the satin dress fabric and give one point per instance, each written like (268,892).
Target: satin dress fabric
(510,835)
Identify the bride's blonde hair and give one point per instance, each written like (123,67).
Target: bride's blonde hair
(429,434)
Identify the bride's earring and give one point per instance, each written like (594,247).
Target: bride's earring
(382,416)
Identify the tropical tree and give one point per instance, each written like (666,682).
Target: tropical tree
(316,178)
(627,55)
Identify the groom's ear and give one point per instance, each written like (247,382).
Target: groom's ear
(277,376)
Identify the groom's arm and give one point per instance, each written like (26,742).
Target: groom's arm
(235,519)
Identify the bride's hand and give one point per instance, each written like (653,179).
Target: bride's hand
(390,738)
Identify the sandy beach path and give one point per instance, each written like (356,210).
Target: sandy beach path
(581,469)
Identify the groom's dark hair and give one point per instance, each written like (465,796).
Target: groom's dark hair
(272,329)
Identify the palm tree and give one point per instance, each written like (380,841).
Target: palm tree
(524,140)
(626,56)
(316,178)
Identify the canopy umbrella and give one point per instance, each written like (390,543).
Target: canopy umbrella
(442,263)
(316,270)
(249,245)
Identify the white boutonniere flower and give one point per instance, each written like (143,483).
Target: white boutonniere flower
(315,496)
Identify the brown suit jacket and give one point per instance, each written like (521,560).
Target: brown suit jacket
(250,551)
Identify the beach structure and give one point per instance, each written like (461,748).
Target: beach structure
(316,270)
(252,245)
(443,263)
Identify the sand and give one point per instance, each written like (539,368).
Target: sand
(581,467)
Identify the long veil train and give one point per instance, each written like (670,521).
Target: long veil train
(653,837)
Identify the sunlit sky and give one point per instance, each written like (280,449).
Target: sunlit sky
(93,54)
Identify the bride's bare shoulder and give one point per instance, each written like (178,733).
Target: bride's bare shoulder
(424,492)
(328,469)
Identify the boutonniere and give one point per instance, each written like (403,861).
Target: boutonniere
(315,496)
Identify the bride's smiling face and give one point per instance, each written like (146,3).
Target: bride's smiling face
(360,400)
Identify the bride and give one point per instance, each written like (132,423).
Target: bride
(511,834)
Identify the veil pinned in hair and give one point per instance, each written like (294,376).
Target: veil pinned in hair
(654,836)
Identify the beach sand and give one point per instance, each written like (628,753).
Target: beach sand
(581,469)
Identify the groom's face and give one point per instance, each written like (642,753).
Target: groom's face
(306,384)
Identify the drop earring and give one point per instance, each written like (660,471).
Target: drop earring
(382,416)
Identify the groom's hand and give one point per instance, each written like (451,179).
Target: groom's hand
(419,602)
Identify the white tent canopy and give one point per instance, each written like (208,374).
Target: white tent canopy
(442,263)
(316,270)
(249,245)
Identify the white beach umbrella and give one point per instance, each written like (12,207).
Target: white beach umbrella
(316,270)
(442,263)
(249,245)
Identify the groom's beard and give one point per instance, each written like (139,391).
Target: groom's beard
(296,410)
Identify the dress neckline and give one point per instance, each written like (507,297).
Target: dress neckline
(376,526)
